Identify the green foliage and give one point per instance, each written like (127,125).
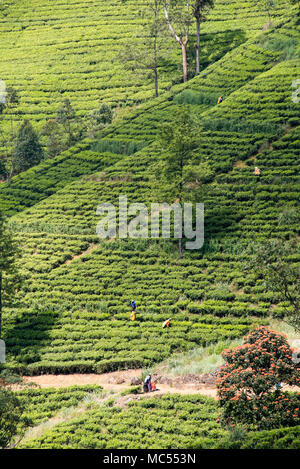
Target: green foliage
(39,405)
(196,97)
(66,116)
(12,421)
(3,170)
(169,422)
(241,126)
(120,147)
(273,262)
(283,438)
(56,140)
(288,48)
(98,119)
(268,5)
(178,142)
(73,298)
(9,276)
(131,390)
(28,150)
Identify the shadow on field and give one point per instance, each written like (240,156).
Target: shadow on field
(220,221)
(25,334)
(213,46)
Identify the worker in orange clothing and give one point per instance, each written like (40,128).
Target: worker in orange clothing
(153,386)
(167,323)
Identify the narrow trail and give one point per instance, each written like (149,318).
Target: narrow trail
(118,381)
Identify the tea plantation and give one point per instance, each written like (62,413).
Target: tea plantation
(73,307)
(170,422)
(71,314)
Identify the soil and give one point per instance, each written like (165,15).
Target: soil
(118,381)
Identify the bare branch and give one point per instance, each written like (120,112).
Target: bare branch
(178,39)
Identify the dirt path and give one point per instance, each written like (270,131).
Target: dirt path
(118,381)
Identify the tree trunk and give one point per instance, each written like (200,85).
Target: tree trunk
(180,41)
(155,65)
(179,248)
(180,201)
(184,61)
(198,49)
(156,82)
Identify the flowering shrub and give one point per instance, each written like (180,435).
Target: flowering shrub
(247,382)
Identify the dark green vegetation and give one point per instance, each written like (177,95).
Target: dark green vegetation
(72,312)
(30,407)
(12,420)
(170,422)
(42,404)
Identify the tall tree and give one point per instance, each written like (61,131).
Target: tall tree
(3,170)
(144,54)
(98,119)
(267,5)
(273,262)
(280,275)
(12,101)
(13,422)
(200,10)
(53,138)
(66,116)
(180,170)
(178,12)
(9,100)
(28,150)
(10,278)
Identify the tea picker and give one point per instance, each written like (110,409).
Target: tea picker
(132,316)
(133,308)
(167,323)
(147,383)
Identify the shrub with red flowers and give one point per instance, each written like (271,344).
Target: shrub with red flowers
(248,382)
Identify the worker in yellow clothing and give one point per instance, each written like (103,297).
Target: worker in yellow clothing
(220,99)
(132,316)
(167,323)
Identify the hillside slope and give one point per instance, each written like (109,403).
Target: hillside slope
(71,49)
(234,70)
(72,314)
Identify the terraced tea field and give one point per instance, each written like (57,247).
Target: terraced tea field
(168,422)
(228,75)
(76,51)
(75,299)
(72,313)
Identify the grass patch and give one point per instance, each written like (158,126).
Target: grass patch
(197,361)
